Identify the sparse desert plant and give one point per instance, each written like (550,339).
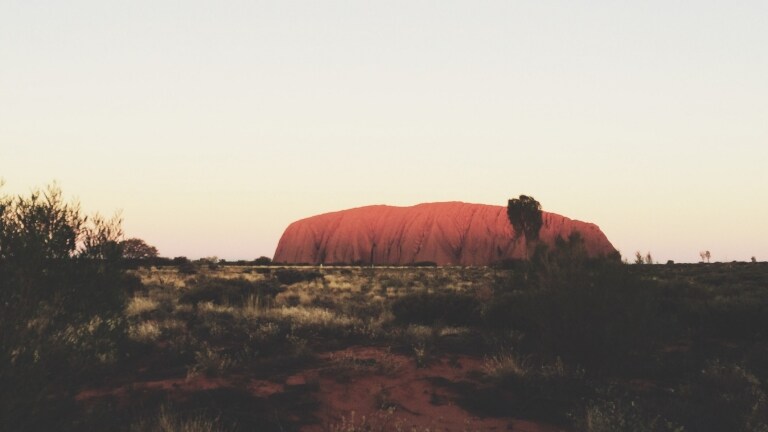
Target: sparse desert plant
(313,318)
(648,258)
(210,362)
(643,259)
(421,355)
(344,366)
(505,364)
(168,420)
(705,256)
(386,420)
(622,415)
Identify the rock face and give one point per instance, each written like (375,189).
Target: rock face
(447,233)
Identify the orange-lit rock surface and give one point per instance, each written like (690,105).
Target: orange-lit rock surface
(445,233)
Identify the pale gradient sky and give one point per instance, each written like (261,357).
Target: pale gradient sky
(213,125)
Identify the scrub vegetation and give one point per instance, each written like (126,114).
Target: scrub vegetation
(562,341)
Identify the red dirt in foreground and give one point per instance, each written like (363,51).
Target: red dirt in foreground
(388,391)
(449,233)
(393,391)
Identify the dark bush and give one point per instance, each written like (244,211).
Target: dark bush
(62,292)
(458,309)
(391,281)
(187,267)
(589,312)
(725,397)
(262,261)
(292,276)
(228,291)
(735,319)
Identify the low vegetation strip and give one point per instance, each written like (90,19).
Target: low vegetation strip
(560,342)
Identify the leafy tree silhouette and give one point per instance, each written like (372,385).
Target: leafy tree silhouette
(524,214)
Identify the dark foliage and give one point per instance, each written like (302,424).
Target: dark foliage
(62,291)
(292,276)
(724,397)
(229,291)
(457,309)
(524,214)
(188,267)
(137,249)
(589,312)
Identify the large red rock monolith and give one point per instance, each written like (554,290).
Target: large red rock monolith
(446,233)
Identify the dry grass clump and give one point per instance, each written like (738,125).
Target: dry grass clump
(210,362)
(297,295)
(145,331)
(139,304)
(344,365)
(168,421)
(338,282)
(253,307)
(419,334)
(312,316)
(385,420)
(165,277)
(506,364)
(212,308)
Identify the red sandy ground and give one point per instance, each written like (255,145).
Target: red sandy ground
(407,390)
(355,383)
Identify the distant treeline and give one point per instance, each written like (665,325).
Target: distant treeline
(261,261)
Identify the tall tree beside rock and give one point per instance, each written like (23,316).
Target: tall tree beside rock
(525,216)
